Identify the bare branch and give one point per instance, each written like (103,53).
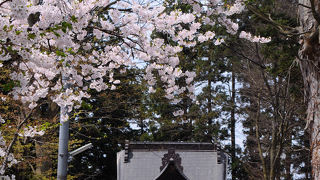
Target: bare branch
(4,2)
(304,6)
(314,12)
(15,137)
(286,30)
(245,57)
(264,167)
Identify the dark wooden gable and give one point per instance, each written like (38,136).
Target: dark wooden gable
(171,172)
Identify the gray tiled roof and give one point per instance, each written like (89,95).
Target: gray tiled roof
(198,160)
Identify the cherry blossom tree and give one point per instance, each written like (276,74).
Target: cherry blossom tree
(61,49)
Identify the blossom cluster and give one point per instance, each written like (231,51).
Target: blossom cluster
(55,46)
(62,49)
(31,132)
(250,37)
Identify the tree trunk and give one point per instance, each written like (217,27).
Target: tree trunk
(309,58)
(314,119)
(288,161)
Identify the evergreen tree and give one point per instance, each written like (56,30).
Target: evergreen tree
(104,120)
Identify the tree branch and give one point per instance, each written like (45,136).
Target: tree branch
(304,6)
(15,137)
(314,12)
(264,167)
(286,30)
(245,57)
(4,2)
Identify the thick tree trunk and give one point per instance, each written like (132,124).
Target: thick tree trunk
(314,119)
(309,56)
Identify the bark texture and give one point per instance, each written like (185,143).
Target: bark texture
(309,58)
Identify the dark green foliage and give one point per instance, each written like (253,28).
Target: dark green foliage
(103,121)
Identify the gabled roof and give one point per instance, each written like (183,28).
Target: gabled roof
(171,172)
(163,160)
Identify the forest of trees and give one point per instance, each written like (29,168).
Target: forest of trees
(269,90)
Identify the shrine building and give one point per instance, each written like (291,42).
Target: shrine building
(171,161)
